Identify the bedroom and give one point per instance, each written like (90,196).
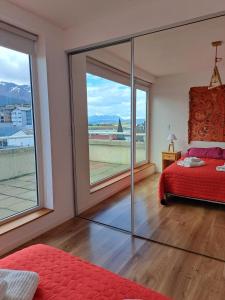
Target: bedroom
(108,95)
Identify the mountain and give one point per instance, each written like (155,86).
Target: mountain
(109,119)
(103,119)
(11,93)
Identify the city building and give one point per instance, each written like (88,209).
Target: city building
(5,115)
(22,138)
(6,130)
(22,116)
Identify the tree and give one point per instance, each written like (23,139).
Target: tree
(120,129)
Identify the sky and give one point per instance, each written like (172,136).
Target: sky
(14,66)
(106,97)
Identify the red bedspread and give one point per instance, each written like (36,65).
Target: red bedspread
(66,277)
(200,182)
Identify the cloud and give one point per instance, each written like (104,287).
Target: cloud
(108,97)
(14,66)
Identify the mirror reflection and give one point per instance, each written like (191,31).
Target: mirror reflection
(179,136)
(103,135)
(182,202)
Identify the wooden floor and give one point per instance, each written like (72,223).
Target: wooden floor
(175,273)
(187,224)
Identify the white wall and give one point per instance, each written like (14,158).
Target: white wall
(139,17)
(170,105)
(54,98)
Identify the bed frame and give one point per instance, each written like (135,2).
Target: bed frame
(165,201)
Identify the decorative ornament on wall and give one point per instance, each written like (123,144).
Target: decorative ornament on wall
(207,108)
(207,114)
(216,79)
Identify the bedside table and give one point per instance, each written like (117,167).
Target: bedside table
(169,157)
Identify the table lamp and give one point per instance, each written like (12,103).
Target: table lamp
(171,138)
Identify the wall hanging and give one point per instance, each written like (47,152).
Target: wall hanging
(207,114)
(207,108)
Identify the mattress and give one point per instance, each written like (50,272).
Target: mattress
(200,182)
(66,277)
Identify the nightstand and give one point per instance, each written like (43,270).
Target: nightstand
(169,157)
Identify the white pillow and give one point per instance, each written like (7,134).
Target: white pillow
(21,285)
(3,288)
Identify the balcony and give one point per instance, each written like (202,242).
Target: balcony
(108,158)
(111,157)
(17,181)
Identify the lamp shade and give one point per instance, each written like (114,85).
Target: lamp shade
(171,137)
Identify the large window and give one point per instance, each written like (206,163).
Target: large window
(109,122)
(18,176)
(142,122)
(108,127)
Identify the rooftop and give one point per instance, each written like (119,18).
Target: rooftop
(20,194)
(17,195)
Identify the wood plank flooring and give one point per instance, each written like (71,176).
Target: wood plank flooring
(187,224)
(175,273)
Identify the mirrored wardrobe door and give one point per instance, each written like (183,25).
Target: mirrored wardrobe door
(143,168)
(102,134)
(175,204)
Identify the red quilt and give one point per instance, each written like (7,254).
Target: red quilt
(200,182)
(66,277)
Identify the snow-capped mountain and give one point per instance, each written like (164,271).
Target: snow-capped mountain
(11,93)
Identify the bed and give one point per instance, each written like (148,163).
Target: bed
(66,277)
(200,183)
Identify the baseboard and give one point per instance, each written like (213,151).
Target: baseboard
(33,234)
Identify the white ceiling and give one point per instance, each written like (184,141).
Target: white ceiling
(180,50)
(68,13)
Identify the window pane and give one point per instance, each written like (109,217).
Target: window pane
(108,127)
(141,121)
(18,188)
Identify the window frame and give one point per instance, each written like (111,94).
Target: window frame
(142,85)
(101,69)
(21,36)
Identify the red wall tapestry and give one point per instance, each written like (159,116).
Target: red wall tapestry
(207,114)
